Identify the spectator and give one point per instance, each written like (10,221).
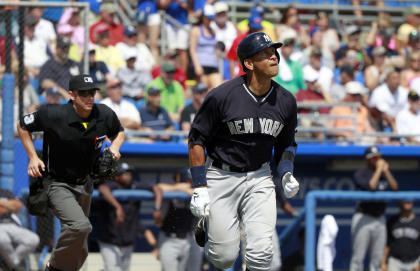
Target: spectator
(199,92)
(352,35)
(390,97)
(290,23)
(338,91)
(413,69)
(355,92)
(224,29)
(203,50)
(57,71)
(290,74)
(148,20)
(106,52)
(326,75)
(155,117)
(412,22)
(172,95)
(33,44)
(375,74)
(180,76)
(314,91)
(403,242)
(327,58)
(354,59)
(359,13)
(126,112)
(133,79)
(413,43)
(98,69)
(267,27)
(16,242)
(145,60)
(30,96)
(368,229)
(178,36)
(120,219)
(75,52)
(107,20)
(71,18)
(380,30)
(408,120)
(329,35)
(44,29)
(235,68)
(52,96)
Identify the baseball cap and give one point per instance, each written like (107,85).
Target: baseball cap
(316,52)
(108,7)
(371,152)
(82,82)
(221,7)
(379,51)
(413,95)
(122,169)
(209,12)
(352,29)
(199,88)
(130,53)
(63,42)
(168,67)
(113,84)
(355,87)
(153,90)
(309,74)
(412,10)
(287,36)
(414,35)
(314,30)
(255,21)
(257,10)
(30,20)
(130,30)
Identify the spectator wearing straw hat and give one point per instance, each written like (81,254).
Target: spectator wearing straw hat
(412,22)
(107,19)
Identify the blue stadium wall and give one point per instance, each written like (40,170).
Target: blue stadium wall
(317,167)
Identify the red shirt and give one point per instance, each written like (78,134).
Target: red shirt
(179,75)
(231,55)
(310,95)
(116,32)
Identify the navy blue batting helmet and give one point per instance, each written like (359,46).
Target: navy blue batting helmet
(254,43)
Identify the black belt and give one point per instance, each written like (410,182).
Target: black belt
(181,235)
(223,166)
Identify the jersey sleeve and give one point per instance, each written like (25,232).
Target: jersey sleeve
(285,145)
(205,121)
(35,121)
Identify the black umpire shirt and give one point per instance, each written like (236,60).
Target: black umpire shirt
(240,128)
(71,143)
(404,238)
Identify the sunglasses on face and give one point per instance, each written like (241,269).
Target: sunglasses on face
(87,93)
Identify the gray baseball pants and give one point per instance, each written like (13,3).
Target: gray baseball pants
(240,197)
(174,252)
(396,265)
(116,258)
(368,233)
(16,243)
(70,203)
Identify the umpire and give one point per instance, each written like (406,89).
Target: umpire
(73,137)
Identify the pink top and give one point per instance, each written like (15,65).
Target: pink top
(392,43)
(78,36)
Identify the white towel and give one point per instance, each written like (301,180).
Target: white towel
(326,243)
(285,73)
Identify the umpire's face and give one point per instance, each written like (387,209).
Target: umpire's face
(264,62)
(83,100)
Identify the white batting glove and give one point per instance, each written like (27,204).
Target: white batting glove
(290,185)
(200,202)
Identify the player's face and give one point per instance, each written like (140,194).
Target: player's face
(266,61)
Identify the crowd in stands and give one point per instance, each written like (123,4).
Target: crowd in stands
(379,67)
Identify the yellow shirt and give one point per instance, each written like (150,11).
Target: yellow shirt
(111,56)
(268,28)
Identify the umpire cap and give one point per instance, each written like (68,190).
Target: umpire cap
(82,82)
(254,43)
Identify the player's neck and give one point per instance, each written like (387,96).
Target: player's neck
(258,85)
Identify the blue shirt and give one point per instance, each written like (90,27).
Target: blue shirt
(97,71)
(157,121)
(177,12)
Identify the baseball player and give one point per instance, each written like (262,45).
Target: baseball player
(239,124)
(73,137)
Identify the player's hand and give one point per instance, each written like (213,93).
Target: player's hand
(200,202)
(120,216)
(290,185)
(157,217)
(35,167)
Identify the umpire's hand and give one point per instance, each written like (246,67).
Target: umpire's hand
(200,202)
(290,185)
(35,167)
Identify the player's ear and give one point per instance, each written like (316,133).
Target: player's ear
(248,64)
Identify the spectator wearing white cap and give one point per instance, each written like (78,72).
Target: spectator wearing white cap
(144,58)
(408,120)
(390,97)
(326,75)
(133,80)
(203,50)
(224,29)
(354,94)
